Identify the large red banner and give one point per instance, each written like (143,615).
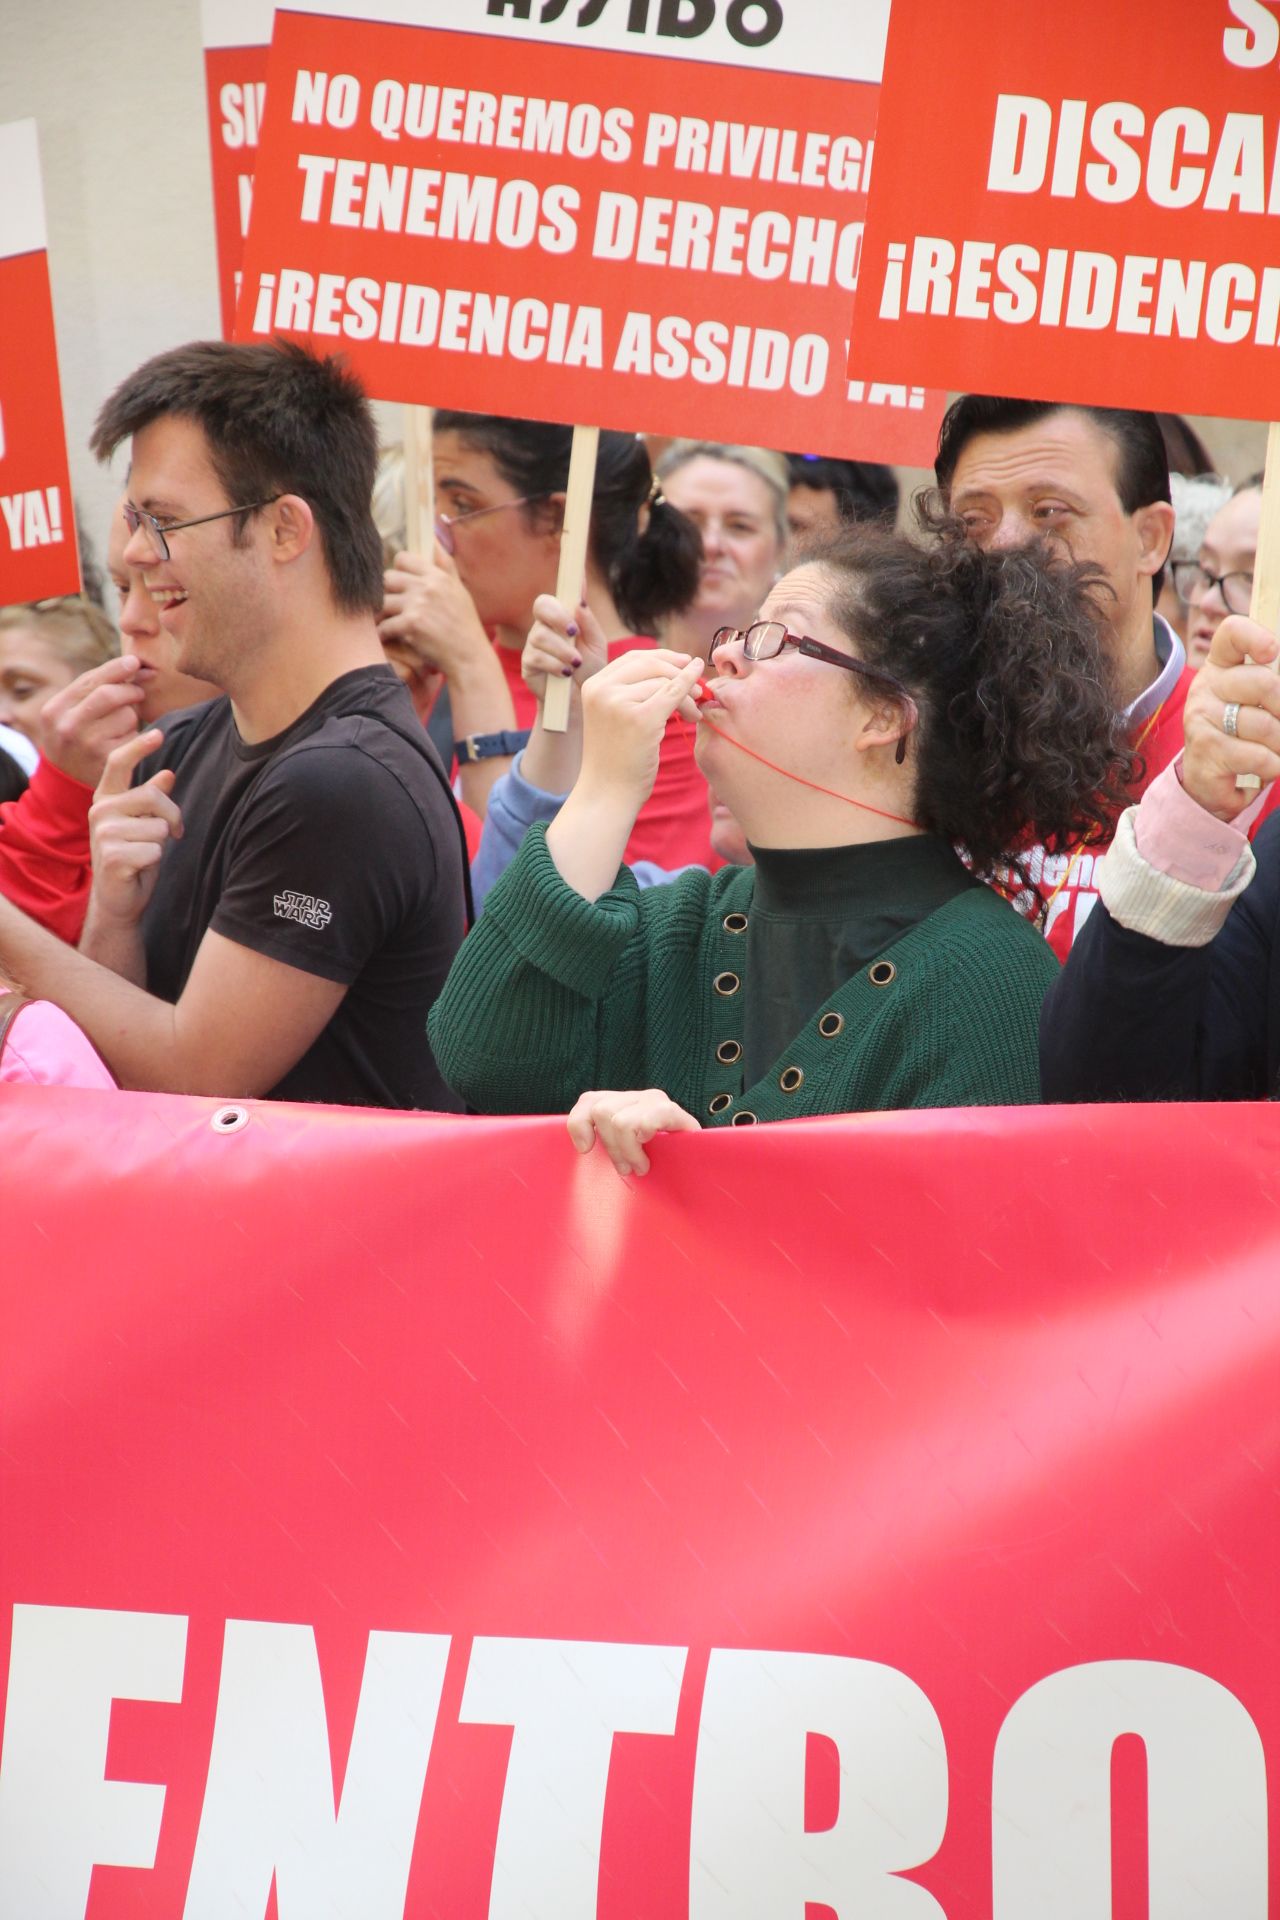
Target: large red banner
(609,231)
(39,557)
(871,1517)
(1079,203)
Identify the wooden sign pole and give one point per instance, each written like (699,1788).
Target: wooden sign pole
(1265,605)
(419,483)
(573,557)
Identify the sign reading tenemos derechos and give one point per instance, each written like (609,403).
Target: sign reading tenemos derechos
(236,36)
(38,553)
(633,213)
(1081,203)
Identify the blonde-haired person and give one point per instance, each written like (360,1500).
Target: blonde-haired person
(736,496)
(43,648)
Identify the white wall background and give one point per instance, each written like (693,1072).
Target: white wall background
(117,92)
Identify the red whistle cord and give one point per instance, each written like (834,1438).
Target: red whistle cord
(702,693)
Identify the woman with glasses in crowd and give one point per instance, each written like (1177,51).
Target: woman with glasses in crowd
(891,704)
(736,498)
(1219,580)
(500,493)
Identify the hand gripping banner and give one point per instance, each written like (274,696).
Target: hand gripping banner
(871,1517)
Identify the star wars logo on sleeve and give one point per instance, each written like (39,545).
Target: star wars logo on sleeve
(304,908)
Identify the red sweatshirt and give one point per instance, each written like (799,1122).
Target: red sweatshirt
(44,851)
(1068,882)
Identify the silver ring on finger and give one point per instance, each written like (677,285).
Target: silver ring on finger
(1231,719)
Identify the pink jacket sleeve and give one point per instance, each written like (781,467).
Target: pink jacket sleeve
(45,1048)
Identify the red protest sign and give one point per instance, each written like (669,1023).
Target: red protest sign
(237,35)
(504,222)
(417,1518)
(38,553)
(1079,204)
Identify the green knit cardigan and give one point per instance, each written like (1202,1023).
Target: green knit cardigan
(552,994)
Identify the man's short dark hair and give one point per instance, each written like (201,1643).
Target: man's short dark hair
(1142,468)
(863,489)
(1142,471)
(278,419)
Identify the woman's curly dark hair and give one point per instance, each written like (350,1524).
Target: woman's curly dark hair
(1019,739)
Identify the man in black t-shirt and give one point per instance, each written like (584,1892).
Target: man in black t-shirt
(279,874)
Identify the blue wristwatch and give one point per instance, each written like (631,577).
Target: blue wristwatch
(489,746)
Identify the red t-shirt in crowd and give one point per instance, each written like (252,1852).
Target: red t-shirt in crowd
(1068,882)
(673,828)
(44,851)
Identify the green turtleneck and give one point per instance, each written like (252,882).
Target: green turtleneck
(819,915)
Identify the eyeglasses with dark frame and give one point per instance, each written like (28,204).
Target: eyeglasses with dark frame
(135,517)
(446,522)
(1190,577)
(767,638)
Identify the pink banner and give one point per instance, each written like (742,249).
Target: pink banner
(872,1517)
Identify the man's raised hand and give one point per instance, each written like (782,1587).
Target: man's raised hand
(129,828)
(82,724)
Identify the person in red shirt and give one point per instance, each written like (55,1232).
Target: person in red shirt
(44,834)
(1094,483)
(500,489)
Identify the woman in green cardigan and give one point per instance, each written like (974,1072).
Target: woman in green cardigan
(892,704)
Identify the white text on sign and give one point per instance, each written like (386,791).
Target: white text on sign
(32,519)
(268,1813)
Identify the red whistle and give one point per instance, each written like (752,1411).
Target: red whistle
(701,692)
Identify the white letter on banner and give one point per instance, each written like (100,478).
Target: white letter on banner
(1206,1790)
(565,1699)
(269,1802)
(749,1850)
(1020,119)
(1192,127)
(59,1816)
(1257,42)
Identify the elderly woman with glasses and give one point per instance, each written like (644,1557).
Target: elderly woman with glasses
(893,708)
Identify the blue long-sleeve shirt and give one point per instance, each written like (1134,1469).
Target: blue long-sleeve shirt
(514,806)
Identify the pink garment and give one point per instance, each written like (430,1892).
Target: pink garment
(45,1048)
(1175,835)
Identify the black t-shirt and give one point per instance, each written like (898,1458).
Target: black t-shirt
(336,848)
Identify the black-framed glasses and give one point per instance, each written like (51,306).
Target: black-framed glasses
(1191,582)
(446,522)
(157,530)
(767,638)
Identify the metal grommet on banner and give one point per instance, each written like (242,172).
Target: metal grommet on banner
(791,1078)
(744,1118)
(726,983)
(830,1025)
(729,1052)
(230,1120)
(719,1102)
(883,973)
(735,923)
